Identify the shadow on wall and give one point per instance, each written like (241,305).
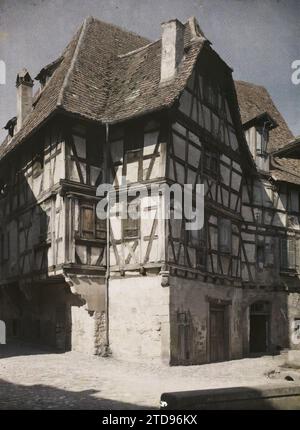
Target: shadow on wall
(17,348)
(35,307)
(16,396)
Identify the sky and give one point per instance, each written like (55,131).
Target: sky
(259,39)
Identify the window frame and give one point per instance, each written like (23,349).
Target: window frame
(126,221)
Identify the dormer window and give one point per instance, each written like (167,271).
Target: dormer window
(262,139)
(257,131)
(47,71)
(10,126)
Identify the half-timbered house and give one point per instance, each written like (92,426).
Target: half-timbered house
(118,109)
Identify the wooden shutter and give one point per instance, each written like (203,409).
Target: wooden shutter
(100,228)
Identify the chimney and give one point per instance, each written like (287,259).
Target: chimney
(24,85)
(172,48)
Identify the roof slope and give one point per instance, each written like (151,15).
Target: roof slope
(255,100)
(136,88)
(108,74)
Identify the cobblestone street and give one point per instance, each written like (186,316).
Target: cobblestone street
(36,379)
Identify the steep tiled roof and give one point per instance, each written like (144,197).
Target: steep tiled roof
(108,74)
(255,100)
(136,88)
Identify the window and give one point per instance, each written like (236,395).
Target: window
(262,138)
(260,255)
(197,239)
(133,151)
(100,228)
(87,222)
(287,253)
(224,235)
(265,253)
(3,189)
(131,224)
(45,224)
(293,201)
(210,93)
(269,253)
(91,227)
(211,163)
(257,194)
(4,246)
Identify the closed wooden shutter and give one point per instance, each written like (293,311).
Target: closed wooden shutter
(101,228)
(87,218)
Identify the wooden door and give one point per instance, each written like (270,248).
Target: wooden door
(218,333)
(258,333)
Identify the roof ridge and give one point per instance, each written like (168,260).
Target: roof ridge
(135,51)
(85,24)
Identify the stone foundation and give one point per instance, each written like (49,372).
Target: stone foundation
(190,304)
(139,318)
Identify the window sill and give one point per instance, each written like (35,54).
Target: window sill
(85,241)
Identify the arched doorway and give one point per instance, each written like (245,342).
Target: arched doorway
(259,327)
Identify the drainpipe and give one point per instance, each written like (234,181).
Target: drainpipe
(107,275)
